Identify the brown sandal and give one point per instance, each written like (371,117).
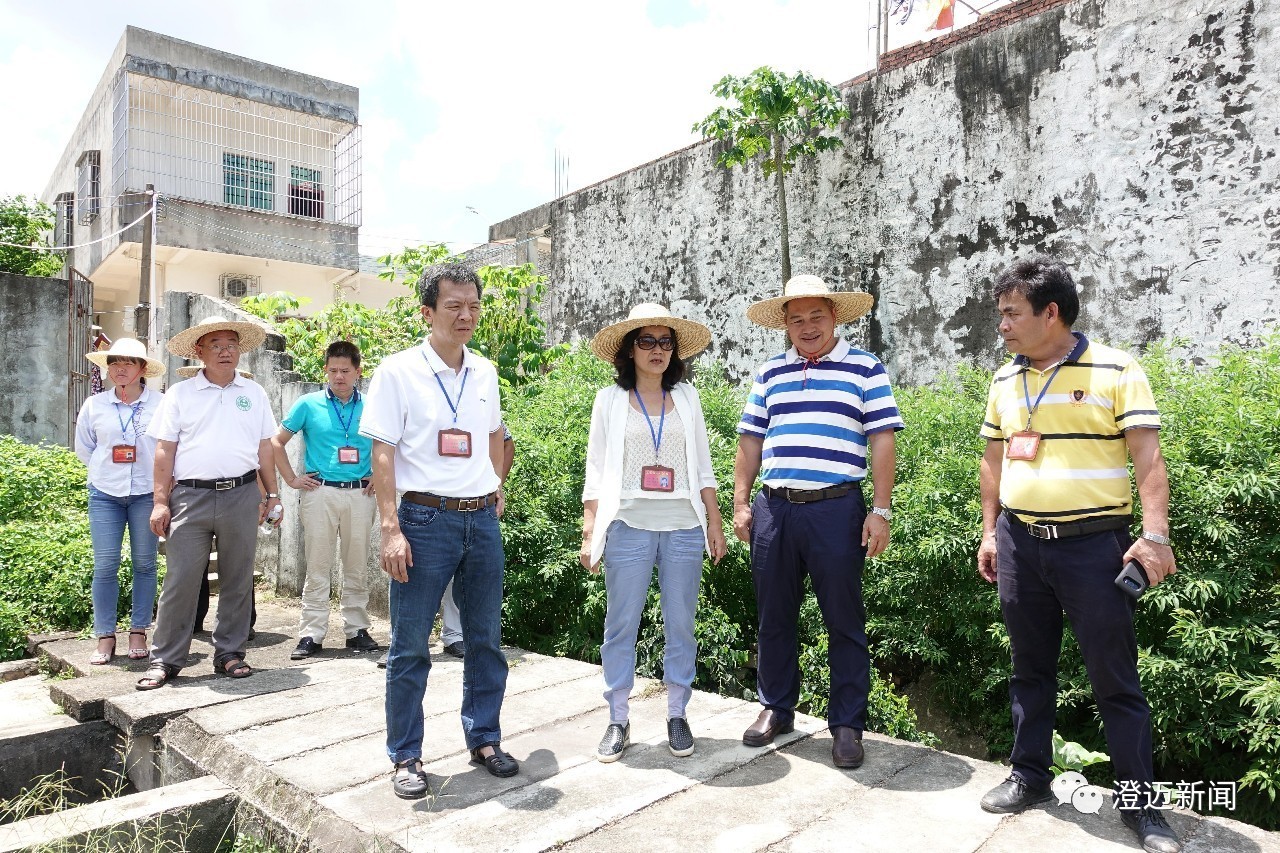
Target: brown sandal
(157,675)
(138,653)
(233,668)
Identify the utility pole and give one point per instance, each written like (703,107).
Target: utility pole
(142,314)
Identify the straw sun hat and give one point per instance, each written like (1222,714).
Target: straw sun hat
(128,348)
(184,343)
(692,336)
(849,305)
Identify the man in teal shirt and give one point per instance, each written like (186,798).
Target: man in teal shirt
(337,501)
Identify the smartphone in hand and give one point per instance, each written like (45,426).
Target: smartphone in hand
(1132,579)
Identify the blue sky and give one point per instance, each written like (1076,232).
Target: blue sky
(463,105)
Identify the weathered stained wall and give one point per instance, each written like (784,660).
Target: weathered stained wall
(33,390)
(1137,141)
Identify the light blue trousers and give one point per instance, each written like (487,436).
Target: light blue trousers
(629,558)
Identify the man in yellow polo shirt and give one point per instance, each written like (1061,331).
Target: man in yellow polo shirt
(1063,418)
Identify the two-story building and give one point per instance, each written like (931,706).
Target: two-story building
(257,169)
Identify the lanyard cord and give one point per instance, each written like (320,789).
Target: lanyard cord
(1026,392)
(662,421)
(133,415)
(346,425)
(465,372)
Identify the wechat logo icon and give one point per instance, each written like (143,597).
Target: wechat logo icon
(1072,787)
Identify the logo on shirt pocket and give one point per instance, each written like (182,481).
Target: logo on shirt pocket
(1078,397)
(243,404)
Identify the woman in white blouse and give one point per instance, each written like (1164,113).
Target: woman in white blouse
(649,499)
(111,440)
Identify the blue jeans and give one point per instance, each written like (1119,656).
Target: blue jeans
(108,517)
(629,557)
(465,547)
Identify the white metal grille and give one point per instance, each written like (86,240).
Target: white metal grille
(206,146)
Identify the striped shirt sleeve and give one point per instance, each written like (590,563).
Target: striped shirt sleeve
(879,408)
(1135,407)
(755,415)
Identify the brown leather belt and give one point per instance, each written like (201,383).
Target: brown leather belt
(808,496)
(453,504)
(1072,528)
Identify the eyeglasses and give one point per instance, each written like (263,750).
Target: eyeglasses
(224,347)
(648,342)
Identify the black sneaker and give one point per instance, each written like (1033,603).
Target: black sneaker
(306,648)
(616,739)
(458,649)
(362,642)
(1153,830)
(1014,795)
(679,738)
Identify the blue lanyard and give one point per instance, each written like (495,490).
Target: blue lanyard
(346,425)
(124,425)
(657,437)
(465,372)
(1026,392)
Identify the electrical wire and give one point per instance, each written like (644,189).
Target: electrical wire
(38,248)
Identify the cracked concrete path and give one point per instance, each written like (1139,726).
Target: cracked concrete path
(302,743)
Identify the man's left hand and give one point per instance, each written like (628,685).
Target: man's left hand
(501,505)
(1155,558)
(265,507)
(875,535)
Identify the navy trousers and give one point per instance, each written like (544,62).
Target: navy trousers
(824,540)
(1039,580)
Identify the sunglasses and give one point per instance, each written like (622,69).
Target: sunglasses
(648,342)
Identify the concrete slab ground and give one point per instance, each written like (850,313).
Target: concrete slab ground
(301,744)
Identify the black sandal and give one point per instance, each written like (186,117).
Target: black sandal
(412,785)
(233,667)
(499,764)
(157,675)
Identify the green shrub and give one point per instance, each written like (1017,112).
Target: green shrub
(46,555)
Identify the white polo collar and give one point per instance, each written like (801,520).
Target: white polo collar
(437,363)
(838,353)
(202,381)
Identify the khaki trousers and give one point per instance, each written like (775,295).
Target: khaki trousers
(333,517)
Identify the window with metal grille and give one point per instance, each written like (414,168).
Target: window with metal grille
(306,195)
(248,181)
(64,212)
(89,185)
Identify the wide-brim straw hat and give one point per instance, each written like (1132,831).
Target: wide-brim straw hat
(691,336)
(771,313)
(128,348)
(183,344)
(189,370)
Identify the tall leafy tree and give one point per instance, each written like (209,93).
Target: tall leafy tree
(778,118)
(23,222)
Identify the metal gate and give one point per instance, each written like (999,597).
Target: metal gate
(79,342)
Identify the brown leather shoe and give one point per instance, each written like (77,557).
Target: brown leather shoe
(846,747)
(767,726)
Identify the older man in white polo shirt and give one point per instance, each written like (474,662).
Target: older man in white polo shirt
(213,435)
(436,422)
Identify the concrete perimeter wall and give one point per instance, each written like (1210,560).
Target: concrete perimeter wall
(33,390)
(1135,140)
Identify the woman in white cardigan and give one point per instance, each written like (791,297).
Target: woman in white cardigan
(649,499)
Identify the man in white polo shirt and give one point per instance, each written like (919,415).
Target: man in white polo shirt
(818,416)
(435,418)
(213,439)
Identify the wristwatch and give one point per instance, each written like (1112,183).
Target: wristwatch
(882,511)
(271,495)
(1157,538)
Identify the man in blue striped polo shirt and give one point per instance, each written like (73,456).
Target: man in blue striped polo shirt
(816,416)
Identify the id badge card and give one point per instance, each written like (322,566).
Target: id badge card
(454,442)
(1023,445)
(349,455)
(125,454)
(656,478)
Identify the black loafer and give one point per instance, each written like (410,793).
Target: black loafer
(499,764)
(1014,795)
(410,785)
(457,649)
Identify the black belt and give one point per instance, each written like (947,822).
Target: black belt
(221,485)
(1073,528)
(808,496)
(456,504)
(344,484)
